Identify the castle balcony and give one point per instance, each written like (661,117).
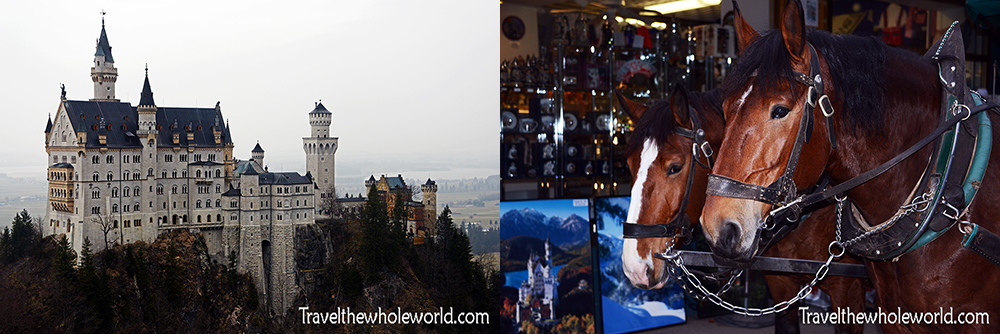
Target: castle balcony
(203,180)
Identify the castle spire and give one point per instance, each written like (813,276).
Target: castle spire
(146,99)
(104,74)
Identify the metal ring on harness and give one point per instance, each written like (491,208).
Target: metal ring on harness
(707,149)
(810,97)
(954,111)
(837,244)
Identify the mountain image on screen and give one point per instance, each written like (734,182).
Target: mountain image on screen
(562,232)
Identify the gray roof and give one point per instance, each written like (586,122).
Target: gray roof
(283,178)
(62,165)
(146,98)
(232,192)
(86,116)
(103,47)
(48,127)
(320,109)
(257,148)
(429,182)
(395,182)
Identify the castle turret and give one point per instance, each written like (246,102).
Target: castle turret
(258,155)
(104,74)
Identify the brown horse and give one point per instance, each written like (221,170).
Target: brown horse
(885,100)
(660,172)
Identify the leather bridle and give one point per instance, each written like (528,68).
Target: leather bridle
(782,194)
(680,225)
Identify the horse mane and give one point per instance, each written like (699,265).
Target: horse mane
(857,65)
(658,121)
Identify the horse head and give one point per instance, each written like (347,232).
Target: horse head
(662,154)
(770,103)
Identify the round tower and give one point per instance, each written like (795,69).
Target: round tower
(104,74)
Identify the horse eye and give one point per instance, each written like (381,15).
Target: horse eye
(674,169)
(779,112)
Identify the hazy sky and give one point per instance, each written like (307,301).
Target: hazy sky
(412,84)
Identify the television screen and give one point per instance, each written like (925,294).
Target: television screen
(546,261)
(626,308)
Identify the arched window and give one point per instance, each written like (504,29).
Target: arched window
(218,217)
(198,205)
(159,189)
(111,159)
(149,173)
(114,193)
(96,176)
(197,174)
(208,203)
(111,176)
(173,190)
(164,174)
(218,173)
(114,208)
(208,218)
(173,174)
(95,160)
(125,175)
(218,203)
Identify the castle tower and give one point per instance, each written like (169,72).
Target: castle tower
(429,189)
(146,132)
(370,183)
(257,155)
(320,149)
(104,74)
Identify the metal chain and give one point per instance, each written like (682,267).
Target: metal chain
(904,210)
(700,292)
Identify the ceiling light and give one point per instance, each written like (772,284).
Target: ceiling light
(682,5)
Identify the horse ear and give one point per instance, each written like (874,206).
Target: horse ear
(679,103)
(632,108)
(793,31)
(745,34)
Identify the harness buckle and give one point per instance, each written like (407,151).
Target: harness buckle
(810,97)
(823,106)
(707,149)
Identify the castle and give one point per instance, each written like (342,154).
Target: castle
(537,295)
(121,173)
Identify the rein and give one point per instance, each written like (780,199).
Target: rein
(681,221)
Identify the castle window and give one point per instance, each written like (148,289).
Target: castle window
(183,157)
(184,189)
(149,173)
(72,159)
(197,157)
(125,175)
(114,208)
(110,176)
(136,206)
(168,158)
(218,188)
(96,176)
(159,189)
(184,173)
(208,203)
(128,223)
(199,218)
(173,190)
(111,159)
(173,174)
(218,217)
(135,176)
(218,173)
(218,204)
(233,218)
(163,175)
(198,205)
(135,191)
(197,174)
(125,159)
(115,224)
(208,218)
(95,160)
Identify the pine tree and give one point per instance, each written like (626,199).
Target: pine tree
(64,259)
(21,240)
(374,229)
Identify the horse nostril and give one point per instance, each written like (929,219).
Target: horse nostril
(729,236)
